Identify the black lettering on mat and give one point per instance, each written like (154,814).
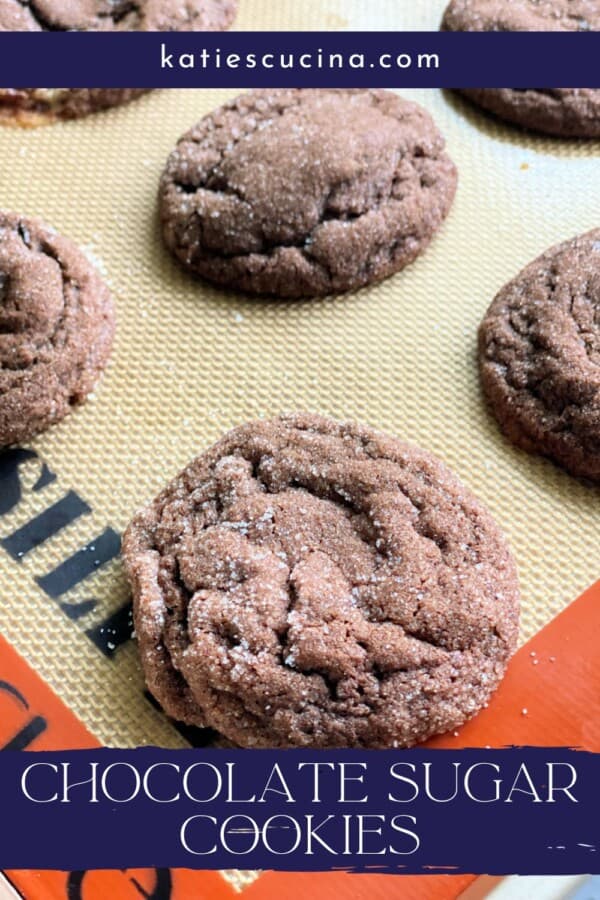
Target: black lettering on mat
(32,729)
(107,635)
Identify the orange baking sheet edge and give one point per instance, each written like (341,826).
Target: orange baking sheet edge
(550,697)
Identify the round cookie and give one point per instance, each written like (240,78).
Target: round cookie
(39,106)
(522,15)
(311,583)
(539,354)
(117,15)
(561,112)
(295,193)
(56,327)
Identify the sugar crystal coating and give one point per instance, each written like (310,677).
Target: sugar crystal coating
(572,112)
(313,583)
(539,352)
(56,327)
(116,15)
(305,192)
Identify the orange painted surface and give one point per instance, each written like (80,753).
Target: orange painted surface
(24,697)
(550,697)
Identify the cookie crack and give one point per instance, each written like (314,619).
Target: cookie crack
(304,242)
(541,364)
(536,380)
(120,10)
(213,183)
(349,505)
(50,341)
(39,17)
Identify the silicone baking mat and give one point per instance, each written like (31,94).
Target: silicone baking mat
(191,361)
(330,15)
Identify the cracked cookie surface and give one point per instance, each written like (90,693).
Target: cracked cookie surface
(312,583)
(296,193)
(561,112)
(56,327)
(539,354)
(39,106)
(116,15)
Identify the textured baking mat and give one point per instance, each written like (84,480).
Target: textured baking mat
(191,361)
(330,15)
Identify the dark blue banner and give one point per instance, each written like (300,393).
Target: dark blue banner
(300,59)
(513,811)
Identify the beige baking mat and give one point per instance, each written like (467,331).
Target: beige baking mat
(191,361)
(328,15)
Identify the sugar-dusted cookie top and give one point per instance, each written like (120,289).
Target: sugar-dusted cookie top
(312,583)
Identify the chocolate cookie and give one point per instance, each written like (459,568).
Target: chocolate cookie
(522,15)
(56,327)
(116,15)
(539,352)
(305,192)
(562,112)
(39,106)
(313,583)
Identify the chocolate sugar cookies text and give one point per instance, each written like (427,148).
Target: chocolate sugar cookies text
(312,583)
